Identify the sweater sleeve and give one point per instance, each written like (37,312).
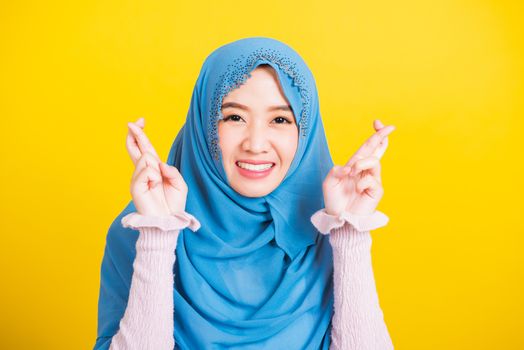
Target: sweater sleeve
(358,321)
(148,319)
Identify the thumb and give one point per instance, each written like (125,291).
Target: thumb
(336,174)
(171,174)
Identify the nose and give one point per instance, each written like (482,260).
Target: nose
(256,139)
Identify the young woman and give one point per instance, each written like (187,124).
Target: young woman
(248,196)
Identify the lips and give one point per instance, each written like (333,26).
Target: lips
(255,167)
(256,162)
(254,173)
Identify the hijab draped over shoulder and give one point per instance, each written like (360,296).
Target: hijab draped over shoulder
(257,274)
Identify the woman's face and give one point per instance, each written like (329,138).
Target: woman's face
(258,136)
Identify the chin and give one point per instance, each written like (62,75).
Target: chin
(253,193)
(254,188)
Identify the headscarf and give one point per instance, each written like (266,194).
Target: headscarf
(257,274)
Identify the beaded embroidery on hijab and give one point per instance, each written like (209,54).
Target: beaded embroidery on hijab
(257,274)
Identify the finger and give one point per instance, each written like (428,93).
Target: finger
(335,175)
(377,124)
(147,179)
(145,161)
(141,122)
(370,186)
(371,144)
(370,165)
(340,171)
(131,142)
(374,141)
(132,147)
(143,141)
(381,149)
(173,176)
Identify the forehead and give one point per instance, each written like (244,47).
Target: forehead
(262,87)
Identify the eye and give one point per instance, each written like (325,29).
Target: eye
(282,120)
(233,117)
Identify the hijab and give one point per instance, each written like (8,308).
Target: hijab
(257,274)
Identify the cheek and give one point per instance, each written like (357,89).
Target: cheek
(226,141)
(288,146)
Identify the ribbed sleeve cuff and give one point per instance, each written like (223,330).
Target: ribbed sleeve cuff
(347,240)
(153,239)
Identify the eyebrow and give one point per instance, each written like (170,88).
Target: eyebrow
(241,106)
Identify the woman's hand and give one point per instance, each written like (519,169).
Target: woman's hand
(157,189)
(356,187)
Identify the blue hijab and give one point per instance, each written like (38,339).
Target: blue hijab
(257,274)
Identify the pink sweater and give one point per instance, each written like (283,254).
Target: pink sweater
(358,321)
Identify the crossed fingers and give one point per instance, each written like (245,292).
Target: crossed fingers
(137,142)
(146,160)
(368,156)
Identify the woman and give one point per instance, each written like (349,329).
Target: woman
(252,166)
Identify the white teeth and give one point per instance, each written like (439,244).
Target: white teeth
(253,167)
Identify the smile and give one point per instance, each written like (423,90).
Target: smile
(254,171)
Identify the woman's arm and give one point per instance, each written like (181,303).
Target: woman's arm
(148,319)
(358,322)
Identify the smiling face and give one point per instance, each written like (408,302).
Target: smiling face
(258,136)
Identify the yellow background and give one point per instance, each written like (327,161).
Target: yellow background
(448,74)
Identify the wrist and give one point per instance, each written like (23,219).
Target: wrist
(331,212)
